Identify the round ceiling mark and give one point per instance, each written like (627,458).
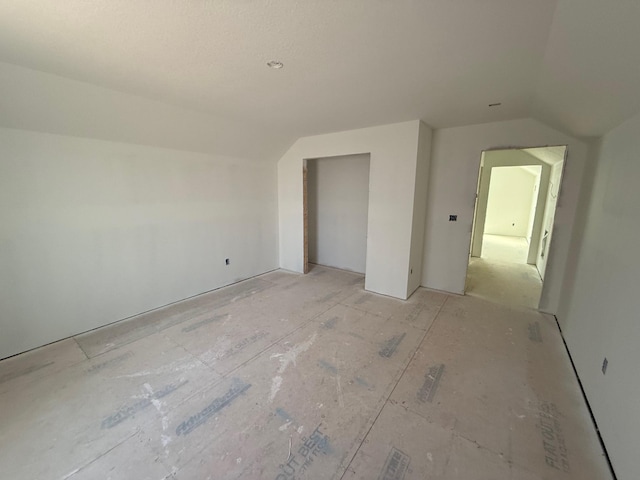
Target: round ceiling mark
(275,64)
(495,104)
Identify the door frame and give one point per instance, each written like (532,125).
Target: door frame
(475,232)
(482,200)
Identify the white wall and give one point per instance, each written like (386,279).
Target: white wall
(419,208)
(510,202)
(338,204)
(553,192)
(534,198)
(392,187)
(453,179)
(94,231)
(599,317)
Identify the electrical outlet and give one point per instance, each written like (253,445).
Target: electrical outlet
(605,362)
(453,218)
(226,261)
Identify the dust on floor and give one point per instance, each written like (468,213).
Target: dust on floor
(302,376)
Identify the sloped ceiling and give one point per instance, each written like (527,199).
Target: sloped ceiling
(549,155)
(348,64)
(589,80)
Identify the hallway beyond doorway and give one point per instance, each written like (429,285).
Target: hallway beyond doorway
(502,275)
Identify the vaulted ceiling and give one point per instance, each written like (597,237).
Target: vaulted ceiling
(574,64)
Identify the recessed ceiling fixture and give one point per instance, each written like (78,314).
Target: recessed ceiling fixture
(275,64)
(495,104)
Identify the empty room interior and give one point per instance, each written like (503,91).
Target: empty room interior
(319,240)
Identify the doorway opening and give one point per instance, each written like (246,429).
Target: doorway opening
(516,199)
(336,206)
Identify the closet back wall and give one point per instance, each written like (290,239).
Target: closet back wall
(338,203)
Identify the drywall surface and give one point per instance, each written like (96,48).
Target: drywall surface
(419,208)
(455,158)
(393,150)
(553,191)
(94,231)
(338,203)
(537,172)
(600,318)
(33,100)
(510,202)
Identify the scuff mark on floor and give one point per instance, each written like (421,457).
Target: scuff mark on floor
(284,426)
(338,385)
(276,383)
(286,359)
(70,474)
(181,365)
(159,406)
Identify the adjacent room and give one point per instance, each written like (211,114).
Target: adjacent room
(516,202)
(319,240)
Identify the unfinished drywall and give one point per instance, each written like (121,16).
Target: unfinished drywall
(600,315)
(95,231)
(338,202)
(392,187)
(38,101)
(419,208)
(551,201)
(510,203)
(453,179)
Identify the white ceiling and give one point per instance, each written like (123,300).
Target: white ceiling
(574,64)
